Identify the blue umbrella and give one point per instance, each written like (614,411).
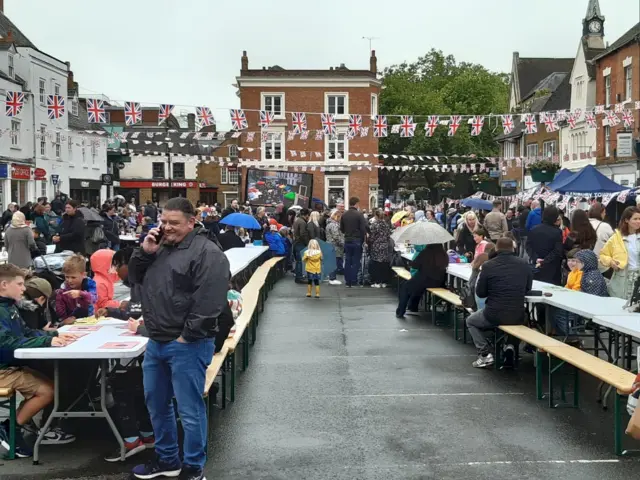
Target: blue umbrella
(328,258)
(241,220)
(477,203)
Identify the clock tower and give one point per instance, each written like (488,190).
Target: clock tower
(593,26)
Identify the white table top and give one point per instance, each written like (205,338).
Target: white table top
(240,258)
(627,323)
(51,249)
(129,238)
(89,346)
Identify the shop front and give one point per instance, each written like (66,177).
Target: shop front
(20,180)
(159,190)
(87,192)
(208,194)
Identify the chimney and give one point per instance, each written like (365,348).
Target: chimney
(1,6)
(70,83)
(8,38)
(373,62)
(244,61)
(191,122)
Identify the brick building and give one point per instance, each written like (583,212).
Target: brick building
(336,90)
(223,182)
(618,81)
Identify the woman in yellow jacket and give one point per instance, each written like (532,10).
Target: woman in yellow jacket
(622,254)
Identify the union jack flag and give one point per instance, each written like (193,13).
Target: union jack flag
(238,119)
(572,120)
(431,125)
(454,123)
(55,106)
(477,122)
(205,117)
(355,124)
(132,113)
(164,113)
(407,127)
(627,117)
(590,118)
(95,111)
(612,118)
(530,124)
(380,127)
(507,124)
(550,122)
(266,118)
(299,122)
(328,123)
(14,103)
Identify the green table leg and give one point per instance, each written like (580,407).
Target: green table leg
(539,394)
(232,389)
(617,428)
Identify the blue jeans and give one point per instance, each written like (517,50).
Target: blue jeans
(297,255)
(178,369)
(339,267)
(352,259)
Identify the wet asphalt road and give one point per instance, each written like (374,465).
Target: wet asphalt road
(338,388)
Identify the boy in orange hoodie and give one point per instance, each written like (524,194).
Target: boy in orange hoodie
(101,264)
(575,274)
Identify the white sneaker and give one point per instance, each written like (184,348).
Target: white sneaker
(335,282)
(383,285)
(483,362)
(375,285)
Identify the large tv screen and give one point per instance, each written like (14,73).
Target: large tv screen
(270,187)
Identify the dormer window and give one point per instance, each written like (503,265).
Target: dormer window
(12,71)
(74,106)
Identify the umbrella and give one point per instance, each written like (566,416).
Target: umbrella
(241,220)
(90,215)
(477,203)
(399,216)
(422,233)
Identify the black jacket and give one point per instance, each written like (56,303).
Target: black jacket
(504,281)
(465,242)
(72,232)
(229,240)
(57,206)
(42,248)
(6,217)
(34,315)
(545,242)
(152,212)
(300,232)
(111,229)
(426,278)
(184,288)
(522,221)
(315,231)
(353,225)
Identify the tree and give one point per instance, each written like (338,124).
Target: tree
(436,85)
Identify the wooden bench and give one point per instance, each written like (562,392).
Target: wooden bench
(215,368)
(439,295)
(620,379)
(402,273)
(10,402)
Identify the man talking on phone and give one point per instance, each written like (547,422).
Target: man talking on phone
(184,278)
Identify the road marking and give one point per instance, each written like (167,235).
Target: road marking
(530,462)
(463,394)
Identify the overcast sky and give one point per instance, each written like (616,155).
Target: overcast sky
(188,52)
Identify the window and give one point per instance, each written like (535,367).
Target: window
(233,151)
(157,170)
(12,72)
(549,149)
(607,139)
(15,133)
(74,107)
(336,147)
(274,102)
(273,148)
(41,90)
(84,152)
(229,175)
(70,148)
(56,89)
(374,104)
(337,103)
(579,87)
(43,188)
(628,84)
(58,144)
(178,171)
(43,140)
(509,150)
(532,150)
(607,90)
(94,150)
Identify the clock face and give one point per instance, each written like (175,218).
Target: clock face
(594,26)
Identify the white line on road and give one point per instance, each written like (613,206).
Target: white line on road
(463,394)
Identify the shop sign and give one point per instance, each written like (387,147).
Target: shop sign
(4,170)
(55,179)
(20,172)
(151,184)
(40,174)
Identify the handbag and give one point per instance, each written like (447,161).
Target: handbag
(608,273)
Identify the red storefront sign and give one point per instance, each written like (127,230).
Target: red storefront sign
(40,174)
(156,184)
(20,172)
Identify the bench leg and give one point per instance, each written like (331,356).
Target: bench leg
(433,309)
(617,426)
(455,325)
(12,427)
(232,389)
(245,350)
(539,357)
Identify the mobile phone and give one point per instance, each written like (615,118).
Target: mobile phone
(160,234)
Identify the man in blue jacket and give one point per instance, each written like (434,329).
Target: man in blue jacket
(535,216)
(275,241)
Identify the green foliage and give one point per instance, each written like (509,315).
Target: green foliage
(404,193)
(481,177)
(437,85)
(545,165)
(444,185)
